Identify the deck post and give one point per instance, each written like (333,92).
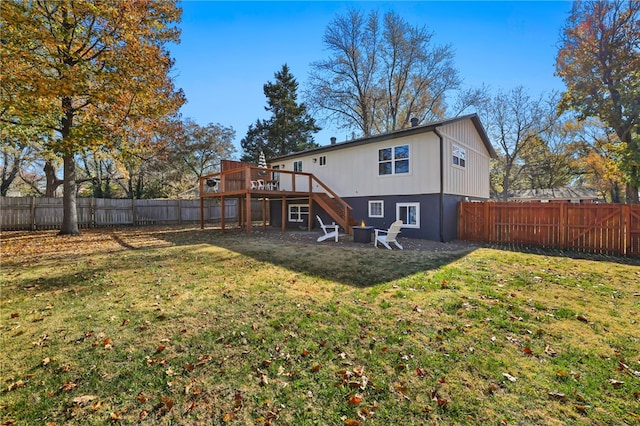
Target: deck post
(283,213)
(248,211)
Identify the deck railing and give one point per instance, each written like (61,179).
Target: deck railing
(264,181)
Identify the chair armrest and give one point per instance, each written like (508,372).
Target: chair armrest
(380,231)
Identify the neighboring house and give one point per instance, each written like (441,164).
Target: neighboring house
(417,175)
(566,194)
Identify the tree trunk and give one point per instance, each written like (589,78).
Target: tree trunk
(632,194)
(70,212)
(52,181)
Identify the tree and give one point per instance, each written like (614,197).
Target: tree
(290,127)
(599,62)
(515,121)
(89,71)
(596,158)
(381,75)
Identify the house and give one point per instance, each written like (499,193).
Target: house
(567,194)
(417,175)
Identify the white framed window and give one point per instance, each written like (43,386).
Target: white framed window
(409,214)
(393,161)
(459,156)
(298,212)
(323,160)
(297,166)
(376,208)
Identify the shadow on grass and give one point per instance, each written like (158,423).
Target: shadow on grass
(350,264)
(576,255)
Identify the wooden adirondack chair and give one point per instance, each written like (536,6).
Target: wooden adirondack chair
(330,231)
(388,236)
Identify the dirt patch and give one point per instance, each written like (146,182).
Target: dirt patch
(345,240)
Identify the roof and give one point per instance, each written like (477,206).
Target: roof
(564,193)
(430,127)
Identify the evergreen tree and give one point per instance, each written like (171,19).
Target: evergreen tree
(290,128)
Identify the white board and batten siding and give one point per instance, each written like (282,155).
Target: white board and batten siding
(351,170)
(473,179)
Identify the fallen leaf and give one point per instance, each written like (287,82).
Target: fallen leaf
(580,408)
(168,403)
(509,377)
(316,368)
(355,399)
(527,350)
(227,417)
(143,414)
(352,422)
(15,315)
(616,383)
(442,402)
(190,407)
(116,416)
(16,385)
(81,400)
(557,395)
(68,386)
(160,349)
(125,322)
(582,318)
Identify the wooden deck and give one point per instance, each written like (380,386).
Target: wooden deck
(273,185)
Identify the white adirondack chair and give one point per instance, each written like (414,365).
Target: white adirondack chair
(330,231)
(388,236)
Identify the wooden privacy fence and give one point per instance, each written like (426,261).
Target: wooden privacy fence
(35,213)
(593,228)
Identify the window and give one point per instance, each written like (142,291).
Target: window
(409,214)
(376,208)
(298,212)
(297,166)
(393,161)
(459,156)
(323,160)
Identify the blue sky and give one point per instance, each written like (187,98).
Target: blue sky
(229,50)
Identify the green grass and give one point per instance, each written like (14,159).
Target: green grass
(182,326)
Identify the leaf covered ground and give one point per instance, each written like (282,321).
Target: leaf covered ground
(185,326)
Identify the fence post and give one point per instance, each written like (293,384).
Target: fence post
(92,213)
(564,211)
(179,211)
(625,229)
(32,212)
(134,219)
(487,225)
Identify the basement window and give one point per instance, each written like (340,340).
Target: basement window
(376,208)
(409,214)
(298,212)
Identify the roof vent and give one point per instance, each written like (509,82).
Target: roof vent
(414,122)
(333,140)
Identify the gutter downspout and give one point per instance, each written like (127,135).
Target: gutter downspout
(435,130)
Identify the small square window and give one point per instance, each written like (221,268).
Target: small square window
(298,212)
(376,208)
(459,156)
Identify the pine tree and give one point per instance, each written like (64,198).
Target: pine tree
(290,128)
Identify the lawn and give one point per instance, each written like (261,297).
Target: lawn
(184,326)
